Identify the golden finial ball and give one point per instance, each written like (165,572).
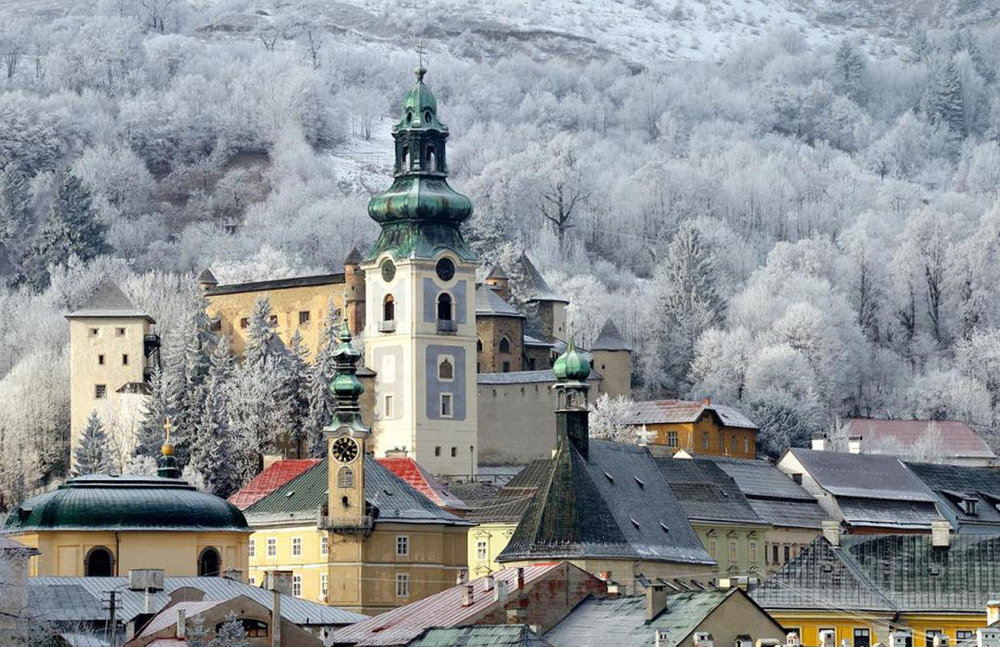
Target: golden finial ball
(167,450)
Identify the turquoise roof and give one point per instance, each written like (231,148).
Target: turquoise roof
(571,366)
(102,502)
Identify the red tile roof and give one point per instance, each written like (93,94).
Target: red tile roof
(418,478)
(958,440)
(271,479)
(401,625)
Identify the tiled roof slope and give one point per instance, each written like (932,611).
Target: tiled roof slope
(869,476)
(890,513)
(614,504)
(706,492)
(509,504)
(300,500)
(952,483)
(958,440)
(622,621)
(896,573)
(653,412)
(534,285)
(609,338)
(772,494)
(480,636)
(410,471)
(491,304)
(276,475)
(109,301)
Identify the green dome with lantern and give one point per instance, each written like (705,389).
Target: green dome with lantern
(571,366)
(346,387)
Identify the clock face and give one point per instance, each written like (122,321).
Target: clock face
(388,271)
(445,269)
(344,450)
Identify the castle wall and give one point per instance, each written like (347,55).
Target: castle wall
(490,331)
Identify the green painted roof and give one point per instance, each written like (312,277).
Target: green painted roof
(102,502)
(479,636)
(392,498)
(571,366)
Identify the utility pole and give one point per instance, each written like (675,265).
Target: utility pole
(112,603)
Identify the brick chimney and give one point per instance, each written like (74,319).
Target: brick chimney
(940,534)
(831,531)
(656,601)
(462,577)
(468,595)
(490,582)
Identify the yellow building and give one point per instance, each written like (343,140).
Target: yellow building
(111,353)
(101,526)
(862,588)
(697,427)
(353,534)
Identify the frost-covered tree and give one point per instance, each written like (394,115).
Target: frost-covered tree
(850,71)
(230,633)
(91,455)
(943,101)
(214,447)
(611,419)
(318,378)
(260,339)
(15,208)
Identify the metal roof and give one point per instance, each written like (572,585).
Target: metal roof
(545,376)
(480,636)
(273,477)
(78,599)
(888,513)
(952,484)
(168,617)
(277,284)
(300,500)
(531,341)
(419,479)
(706,492)
(609,338)
(401,625)
(491,304)
(509,504)
(678,411)
(958,440)
(869,476)
(892,573)
(108,301)
(613,504)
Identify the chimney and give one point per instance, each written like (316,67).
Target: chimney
(792,639)
(854,444)
(276,619)
(703,639)
(827,638)
(940,533)
(656,601)
(845,642)
(940,640)
(819,443)
(468,595)
(992,612)
(462,577)
(280,581)
(181,623)
(520,578)
(831,531)
(500,593)
(490,582)
(987,637)
(900,638)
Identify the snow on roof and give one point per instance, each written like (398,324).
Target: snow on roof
(958,440)
(654,412)
(108,301)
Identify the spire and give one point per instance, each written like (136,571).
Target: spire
(346,387)
(572,415)
(167,463)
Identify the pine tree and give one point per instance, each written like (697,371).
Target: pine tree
(213,447)
(15,209)
(851,70)
(320,399)
(92,453)
(943,103)
(297,391)
(71,228)
(150,433)
(260,332)
(230,633)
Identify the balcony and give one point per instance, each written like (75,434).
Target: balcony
(387,326)
(447,326)
(150,344)
(347,525)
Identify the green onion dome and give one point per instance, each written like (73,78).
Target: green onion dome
(571,365)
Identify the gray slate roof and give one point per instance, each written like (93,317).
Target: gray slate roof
(888,513)
(480,636)
(953,483)
(491,304)
(614,504)
(535,286)
(532,341)
(894,573)
(78,599)
(869,476)
(278,284)
(509,504)
(545,376)
(609,338)
(108,301)
(773,495)
(706,492)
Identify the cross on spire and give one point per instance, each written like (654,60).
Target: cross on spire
(167,426)
(421,70)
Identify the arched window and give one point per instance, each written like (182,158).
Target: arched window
(345,478)
(431,156)
(98,563)
(388,308)
(427,116)
(479,345)
(444,307)
(445,370)
(209,563)
(404,156)
(504,345)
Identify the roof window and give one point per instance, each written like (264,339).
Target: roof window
(639,482)
(610,478)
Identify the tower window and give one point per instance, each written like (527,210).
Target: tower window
(244,323)
(100,391)
(431,157)
(446,407)
(404,154)
(388,308)
(506,366)
(504,345)
(119,332)
(100,360)
(444,307)
(387,406)
(94,332)
(345,478)
(427,116)
(479,345)
(272,320)
(124,359)
(446,371)
(303,317)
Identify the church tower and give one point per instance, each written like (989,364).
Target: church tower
(420,299)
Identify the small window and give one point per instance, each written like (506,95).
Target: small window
(303,317)
(99,562)
(388,308)
(252,549)
(774,554)
(101,391)
(297,586)
(454,452)
(506,366)
(961,635)
(402,545)
(504,345)
(706,440)
(215,325)
(124,359)
(387,406)
(272,320)
(119,332)
(479,345)
(94,332)
(272,547)
(444,310)
(431,156)
(446,371)
(209,563)
(324,546)
(446,411)
(244,323)
(863,637)
(252,581)
(531,363)
(481,550)
(671,439)
(732,443)
(323,584)
(402,585)
(746,444)
(733,550)
(100,360)
(437,451)
(345,477)
(404,155)
(713,548)
(753,551)
(296,546)
(788,554)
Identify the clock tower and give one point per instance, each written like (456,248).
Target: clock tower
(420,299)
(347,441)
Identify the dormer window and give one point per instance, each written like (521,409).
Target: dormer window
(409,116)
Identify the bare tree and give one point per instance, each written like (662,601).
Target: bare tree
(156,11)
(11,50)
(563,196)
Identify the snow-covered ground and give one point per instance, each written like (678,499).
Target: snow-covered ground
(365,167)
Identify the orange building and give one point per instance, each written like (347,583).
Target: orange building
(697,427)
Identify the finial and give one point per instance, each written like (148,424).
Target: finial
(346,387)
(421,70)
(167,449)
(167,467)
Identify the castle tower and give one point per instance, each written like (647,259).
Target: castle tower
(354,292)
(112,350)
(613,360)
(420,289)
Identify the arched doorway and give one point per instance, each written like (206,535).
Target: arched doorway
(99,562)
(209,563)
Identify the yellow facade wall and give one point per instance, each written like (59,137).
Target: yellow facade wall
(704,437)
(177,553)
(624,572)
(486,541)
(809,623)
(738,550)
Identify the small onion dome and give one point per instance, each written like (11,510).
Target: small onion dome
(571,366)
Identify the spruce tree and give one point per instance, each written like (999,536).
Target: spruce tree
(213,448)
(71,228)
(851,70)
(230,633)
(259,333)
(943,103)
(92,453)
(150,434)
(15,207)
(319,376)
(297,391)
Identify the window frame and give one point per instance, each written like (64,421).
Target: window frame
(482,549)
(324,584)
(304,317)
(271,547)
(672,439)
(100,359)
(438,303)
(252,549)
(388,405)
(402,585)
(449,398)
(296,586)
(734,550)
(450,360)
(402,545)
(119,332)
(324,545)
(296,546)
(100,391)
(124,359)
